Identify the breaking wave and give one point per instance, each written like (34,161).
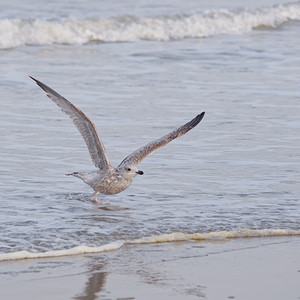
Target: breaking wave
(19,32)
(172,237)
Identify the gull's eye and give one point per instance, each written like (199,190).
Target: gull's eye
(128,169)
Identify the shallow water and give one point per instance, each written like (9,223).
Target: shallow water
(239,169)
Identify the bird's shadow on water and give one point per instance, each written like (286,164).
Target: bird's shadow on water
(109,207)
(86,198)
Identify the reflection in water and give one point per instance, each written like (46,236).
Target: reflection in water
(93,286)
(96,279)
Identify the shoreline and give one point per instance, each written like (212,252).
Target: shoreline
(163,238)
(256,268)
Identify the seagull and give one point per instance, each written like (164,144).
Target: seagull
(107,179)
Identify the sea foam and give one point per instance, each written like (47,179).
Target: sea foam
(56,253)
(165,238)
(19,32)
(243,233)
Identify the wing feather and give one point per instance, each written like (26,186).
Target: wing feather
(137,156)
(84,125)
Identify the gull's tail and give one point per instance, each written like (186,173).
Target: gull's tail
(89,178)
(80,175)
(73,174)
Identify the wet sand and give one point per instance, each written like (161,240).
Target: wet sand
(251,268)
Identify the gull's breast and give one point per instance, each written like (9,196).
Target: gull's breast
(113,184)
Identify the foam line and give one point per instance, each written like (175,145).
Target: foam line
(172,237)
(19,32)
(56,253)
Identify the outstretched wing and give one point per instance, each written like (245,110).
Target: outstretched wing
(137,156)
(84,125)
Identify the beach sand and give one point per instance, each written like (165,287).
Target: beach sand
(246,268)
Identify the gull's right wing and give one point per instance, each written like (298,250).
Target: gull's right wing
(84,125)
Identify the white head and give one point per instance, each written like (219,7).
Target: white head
(130,171)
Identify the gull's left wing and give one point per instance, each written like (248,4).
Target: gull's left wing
(137,156)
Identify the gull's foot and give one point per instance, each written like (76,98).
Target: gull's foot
(95,198)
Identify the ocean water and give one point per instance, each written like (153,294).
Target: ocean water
(138,70)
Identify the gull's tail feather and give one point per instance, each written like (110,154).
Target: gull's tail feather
(82,175)
(72,174)
(89,178)
(77,174)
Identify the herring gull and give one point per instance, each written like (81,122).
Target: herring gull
(107,179)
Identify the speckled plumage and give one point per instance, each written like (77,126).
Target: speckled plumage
(108,182)
(107,179)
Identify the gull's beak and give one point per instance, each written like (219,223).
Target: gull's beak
(140,172)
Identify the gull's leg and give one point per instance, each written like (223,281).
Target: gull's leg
(95,198)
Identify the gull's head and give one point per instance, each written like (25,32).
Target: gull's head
(131,171)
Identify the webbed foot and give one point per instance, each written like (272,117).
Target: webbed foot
(95,198)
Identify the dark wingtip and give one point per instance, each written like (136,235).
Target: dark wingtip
(43,86)
(36,81)
(197,119)
(32,78)
(200,116)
